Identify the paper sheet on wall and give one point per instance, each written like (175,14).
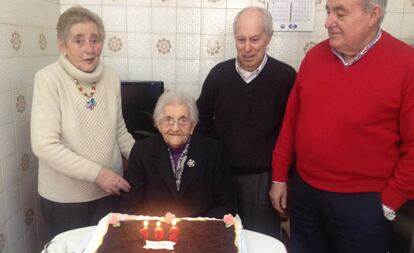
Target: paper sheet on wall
(292,15)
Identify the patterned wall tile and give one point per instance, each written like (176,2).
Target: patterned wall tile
(163,46)
(114,18)
(139,19)
(213,21)
(188,3)
(164,3)
(212,47)
(213,3)
(164,20)
(188,46)
(139,45)
(140,69)
(25,162)
(116,44)
(188,20)
(29,217)
(3,242)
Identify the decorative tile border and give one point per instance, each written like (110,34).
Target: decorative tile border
(164,46)
(25,162)
(16,41)
(115,44)
(42,41)
(29,216)
(20,103)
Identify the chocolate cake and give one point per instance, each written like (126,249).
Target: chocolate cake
(196,235)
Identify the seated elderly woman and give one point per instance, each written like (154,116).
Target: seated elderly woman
(176,171)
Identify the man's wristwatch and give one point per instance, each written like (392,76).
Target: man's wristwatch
(389,214)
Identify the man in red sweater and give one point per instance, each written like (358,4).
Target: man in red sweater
(349,125)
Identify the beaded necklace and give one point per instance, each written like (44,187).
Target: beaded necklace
(90,101)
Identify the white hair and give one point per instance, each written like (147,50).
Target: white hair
(169,98)
(267,19)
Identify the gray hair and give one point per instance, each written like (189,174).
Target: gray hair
(267,19)
(169,98)
(76,15)
(369,4)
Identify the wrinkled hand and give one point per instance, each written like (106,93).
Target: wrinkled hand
(278,196)
(111,182)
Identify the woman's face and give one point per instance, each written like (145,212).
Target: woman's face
(83,46)
(176,125)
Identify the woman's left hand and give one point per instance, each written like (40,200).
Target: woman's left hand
(111,182)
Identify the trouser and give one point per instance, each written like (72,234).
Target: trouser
(253,203)
(61,217)
(329,222)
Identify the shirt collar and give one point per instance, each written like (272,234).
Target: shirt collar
(370,45)
(249,76)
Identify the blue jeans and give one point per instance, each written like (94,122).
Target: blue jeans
(329,222)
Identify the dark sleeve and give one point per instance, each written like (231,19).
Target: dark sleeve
(224,200)
(132,202)
(205,104)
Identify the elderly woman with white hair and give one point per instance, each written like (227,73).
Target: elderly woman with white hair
(176,171)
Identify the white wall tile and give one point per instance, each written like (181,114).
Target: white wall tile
(188,20)
(205,67)
(164,70)
(188,3)
(114,18)
(164,3)
(4,75)
(230,14)
(12,201)
(192,90)
(408,26)
(392,23)
(239,4)
(187,72)
(114,2)
(119,64)
(2,212)
(7,140)
(229,47)
(140,69)
(213,21)
(213,3)
(188,46)
(395,6)
(89,2)
(138,2)
(15,232)
(164,20)
(409,6)
(139,19)
(139,45)
(23,133)
(6,109)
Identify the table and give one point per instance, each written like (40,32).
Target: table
(75,240)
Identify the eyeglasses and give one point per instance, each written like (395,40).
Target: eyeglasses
(170,121)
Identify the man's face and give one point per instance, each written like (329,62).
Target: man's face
(349,26)
(251,40)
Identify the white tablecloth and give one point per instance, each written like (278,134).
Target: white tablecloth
(74,241)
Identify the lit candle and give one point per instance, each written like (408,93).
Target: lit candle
(158,232)
(144,231)
(173,232)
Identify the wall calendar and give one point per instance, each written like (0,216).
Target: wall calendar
(292,15)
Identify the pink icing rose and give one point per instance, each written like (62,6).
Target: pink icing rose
(169,217)
(228,220)
(113,220)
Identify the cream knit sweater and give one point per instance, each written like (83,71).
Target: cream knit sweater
(71,141)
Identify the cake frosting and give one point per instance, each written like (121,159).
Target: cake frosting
(196,235)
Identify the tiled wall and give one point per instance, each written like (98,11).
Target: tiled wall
(176,41)
(27,43)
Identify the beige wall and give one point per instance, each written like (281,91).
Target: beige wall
(192,36)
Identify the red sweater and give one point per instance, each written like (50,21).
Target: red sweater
(351,129)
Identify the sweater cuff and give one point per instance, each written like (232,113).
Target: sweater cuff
(280,175)
(392,198)
(93,172)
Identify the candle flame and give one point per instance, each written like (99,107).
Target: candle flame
(145,223)
(158,223)
(173,222)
